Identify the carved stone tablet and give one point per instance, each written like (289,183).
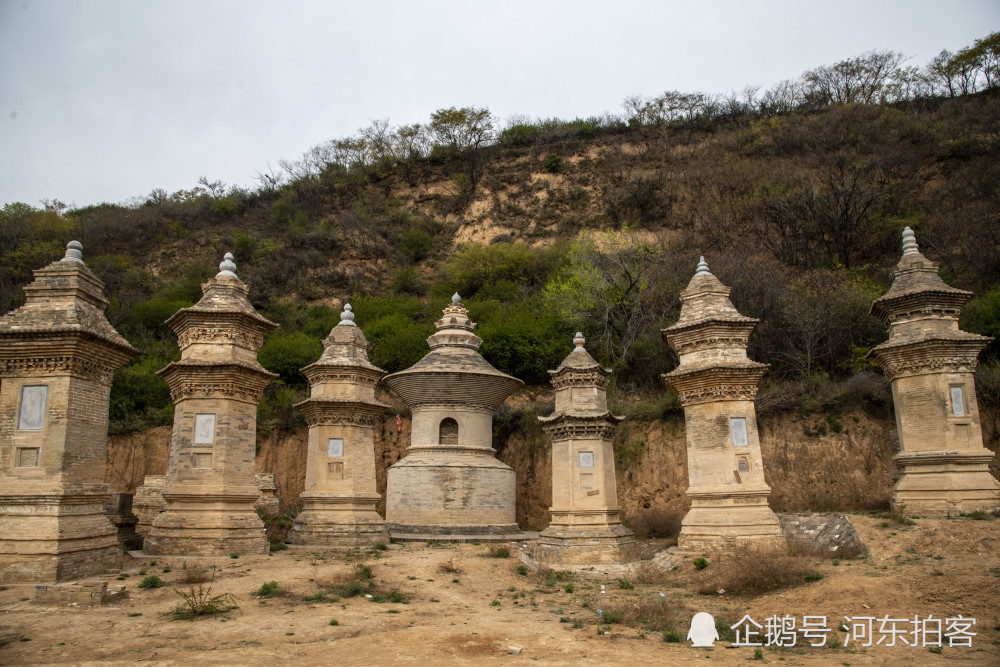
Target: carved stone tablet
(204,429)
(335,447)
(738,425)
(33,399)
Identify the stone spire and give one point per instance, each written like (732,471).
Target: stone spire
(347,317)
(944,468)
(585,526)
(58,353)
(338,503)
(211,489)
(450,480)
(716,383)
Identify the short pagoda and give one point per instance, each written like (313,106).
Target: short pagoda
(57,356)
(942,463)
(585,526)
(717,384)
(338,503)
(210,489)
(450,481)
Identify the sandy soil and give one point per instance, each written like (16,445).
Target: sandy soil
(939,567)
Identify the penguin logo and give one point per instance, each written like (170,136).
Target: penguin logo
(703,632)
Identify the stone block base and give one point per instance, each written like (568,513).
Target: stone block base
(148,502)
(719,525)
(87,593)
(451,495)
(46,538)
(561,546)
(207,525)
(505,531)
(347,522)
(942,484)
(66,566)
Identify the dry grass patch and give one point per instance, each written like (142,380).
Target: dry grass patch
(449,567)
(754,569)
(198,574)
(654,615)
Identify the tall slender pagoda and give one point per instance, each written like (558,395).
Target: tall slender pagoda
(585,526)
(338,504)
(943,466)
(717,384)
(57,356)
(211,489)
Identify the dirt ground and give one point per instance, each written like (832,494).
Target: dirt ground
(466,607)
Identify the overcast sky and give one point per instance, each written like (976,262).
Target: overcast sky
(107,100)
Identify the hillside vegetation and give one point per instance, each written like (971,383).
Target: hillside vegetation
(795,195)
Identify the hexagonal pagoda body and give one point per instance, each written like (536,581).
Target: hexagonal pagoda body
(450,482)
(338,503)
(942,463)
(210,489)
(717,384)
(57,356)
(585,527)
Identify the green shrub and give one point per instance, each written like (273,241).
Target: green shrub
(200,602)
(521,569)
(498,551)
(351,589)
(266,590)
(334,621)
(521,338)
(152,314)
(396,328)
(285,353)
(416,243)
(700,563)
(625,584)
(521,134)
(552,163)
(406,280)
(151,581)
(673,636)
(244,247)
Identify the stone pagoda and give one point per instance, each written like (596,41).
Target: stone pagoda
(57,356)
(586,527)
(450,482)
(943,466)
(717,384)
(210,489)
(338,504)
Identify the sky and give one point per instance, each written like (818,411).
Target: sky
(107,100)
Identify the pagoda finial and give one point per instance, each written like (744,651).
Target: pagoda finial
(910,242)
(227,267)
(347,317)
(74,252)
(579,340)
(455,298)
(702,267)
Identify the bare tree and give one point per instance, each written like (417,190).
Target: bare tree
(860,80)
(126,462)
